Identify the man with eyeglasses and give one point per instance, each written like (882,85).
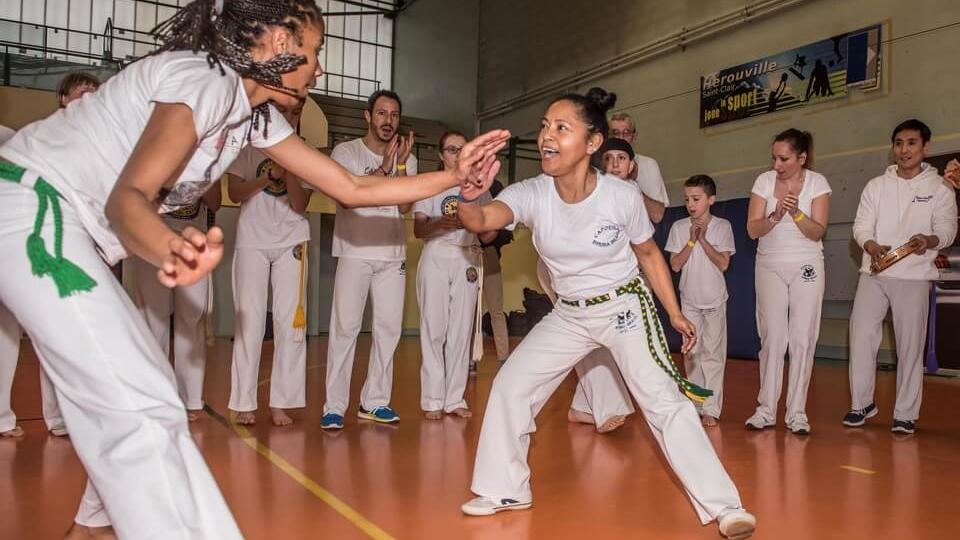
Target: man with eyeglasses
(371,247)
(646,173)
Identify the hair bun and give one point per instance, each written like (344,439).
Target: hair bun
(601,99)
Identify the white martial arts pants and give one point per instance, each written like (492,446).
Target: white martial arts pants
(600,391)
(253,271)
(909,300)
(187,306)
(447,290)
(493,298)
(9,356)
(704,364)
(789,299)
(386,282)
(540,363)
(115,387)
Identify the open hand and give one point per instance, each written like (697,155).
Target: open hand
(952,173)
(192,256)
(686,330)
(479,157)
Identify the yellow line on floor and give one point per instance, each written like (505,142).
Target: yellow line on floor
(857,469)
(342,508)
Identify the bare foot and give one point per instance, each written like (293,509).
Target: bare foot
(708,421)
(574,415)
(611,424)
(193,416)
(462,412)
(246,418)
(59,430)
(82,532)
(433,415)
(280,417)
(14,433)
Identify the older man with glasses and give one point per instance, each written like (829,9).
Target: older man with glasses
(647,172)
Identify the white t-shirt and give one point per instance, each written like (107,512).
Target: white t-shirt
(376,233)
(80,150)
(586,246)
(893,209)
(445,204)
(701,283)
(266,220)
(649,179)
(786,240)
(6,133)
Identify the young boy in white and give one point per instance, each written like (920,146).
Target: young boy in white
(909,201)
(371,247)
(700,248)
(272,239)
(186,304)
(447,289)
(646,170)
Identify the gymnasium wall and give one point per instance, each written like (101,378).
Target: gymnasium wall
(435,61)
(919,79)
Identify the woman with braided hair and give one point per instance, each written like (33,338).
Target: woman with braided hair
(590,229)
(89,181)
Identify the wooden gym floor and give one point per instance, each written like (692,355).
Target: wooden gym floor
(408,481)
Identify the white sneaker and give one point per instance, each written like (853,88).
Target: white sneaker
(758,421)
(488,506)
(799,425)
(737,524)
(59,430)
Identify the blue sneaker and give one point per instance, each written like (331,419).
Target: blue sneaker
(383,414)
(857,418)
(331,421)
(902,426)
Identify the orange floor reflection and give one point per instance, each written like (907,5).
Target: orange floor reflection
(409,480)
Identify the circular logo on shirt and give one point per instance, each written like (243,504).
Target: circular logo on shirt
(449,205)
(607,234)
(472,274)
(185,213)
(298,251)
(183,194)
(276,188)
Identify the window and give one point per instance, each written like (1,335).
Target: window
(53,36)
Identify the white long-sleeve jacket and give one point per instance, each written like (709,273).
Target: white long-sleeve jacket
(892,209)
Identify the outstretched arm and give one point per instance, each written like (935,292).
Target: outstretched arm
(477,161)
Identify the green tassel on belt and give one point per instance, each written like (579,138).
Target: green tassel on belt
(649,310)
(68,277)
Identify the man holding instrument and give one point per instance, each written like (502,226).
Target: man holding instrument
(908,206)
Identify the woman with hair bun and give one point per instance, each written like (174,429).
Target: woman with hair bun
(789,275)
(590,230)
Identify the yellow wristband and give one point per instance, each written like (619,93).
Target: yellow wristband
(799,217)
(691,243)
(402,167)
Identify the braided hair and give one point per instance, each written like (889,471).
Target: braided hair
(227,29)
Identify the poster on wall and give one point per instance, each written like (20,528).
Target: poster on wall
(805,75)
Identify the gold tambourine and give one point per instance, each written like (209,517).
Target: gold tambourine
(894,256)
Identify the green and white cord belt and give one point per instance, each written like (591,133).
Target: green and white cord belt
(651,323)
(68,277)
